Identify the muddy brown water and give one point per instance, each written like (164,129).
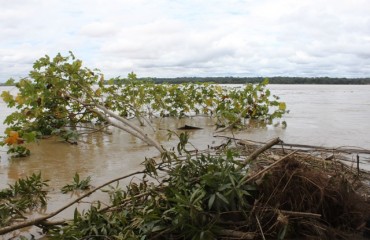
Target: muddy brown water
(323,115)
(103,157)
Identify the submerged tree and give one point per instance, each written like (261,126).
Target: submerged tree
(61,97)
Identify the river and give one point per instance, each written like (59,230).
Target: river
(323,115)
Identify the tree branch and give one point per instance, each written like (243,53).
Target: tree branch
(268,145)
(38,221)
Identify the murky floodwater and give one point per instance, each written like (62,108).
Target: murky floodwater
(325,115)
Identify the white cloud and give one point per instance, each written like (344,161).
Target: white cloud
(100,29)
(190,38)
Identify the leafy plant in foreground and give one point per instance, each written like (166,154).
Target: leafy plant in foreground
(196,196)
(24,195)
(77,184)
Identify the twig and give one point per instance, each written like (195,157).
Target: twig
(260,227)
(300,214)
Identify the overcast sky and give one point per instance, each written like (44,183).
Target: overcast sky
(173,38)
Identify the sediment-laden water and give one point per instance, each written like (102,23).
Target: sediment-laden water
(323,115)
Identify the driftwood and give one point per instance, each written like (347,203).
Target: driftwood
(342,149)
(268,145)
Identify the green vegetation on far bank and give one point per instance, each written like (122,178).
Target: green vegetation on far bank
(244,80)
(272,80)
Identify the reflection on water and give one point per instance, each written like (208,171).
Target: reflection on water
(319,115)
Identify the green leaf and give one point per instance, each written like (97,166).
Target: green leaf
(282,106)
(211,201)
(7,97)
(29,136)
(265,82)
(10,82)
(222,197)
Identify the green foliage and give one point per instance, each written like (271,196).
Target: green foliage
(10,82)
(24,195)
(77,184)
(200,193)
(60,97)
(273,80)
(226,104)
(183,141)
(19,151)
(43,101)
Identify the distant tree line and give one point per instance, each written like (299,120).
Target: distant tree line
(272,80)
(243,80)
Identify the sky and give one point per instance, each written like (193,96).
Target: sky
(189,38)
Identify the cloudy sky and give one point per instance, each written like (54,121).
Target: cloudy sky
(173,38)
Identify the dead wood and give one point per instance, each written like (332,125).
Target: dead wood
(300,214)
(268,145)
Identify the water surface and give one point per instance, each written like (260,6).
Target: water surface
(323,115)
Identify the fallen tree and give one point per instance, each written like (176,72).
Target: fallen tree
(213,194)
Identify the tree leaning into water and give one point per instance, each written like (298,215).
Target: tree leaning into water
(61,97)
